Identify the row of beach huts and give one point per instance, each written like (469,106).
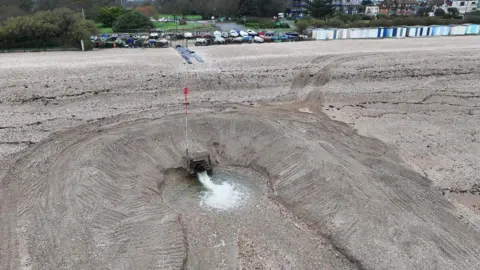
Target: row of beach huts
(395,32)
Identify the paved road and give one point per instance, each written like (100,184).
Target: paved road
(227,26)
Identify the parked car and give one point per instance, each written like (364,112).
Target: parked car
(99,44)
(233,33)
(266,38)
(163,43)
(251,32)
(153,36)
(219,40)
(237,40)
(124,36)
(130,42)
(207,35)
(292,36)
(247,39)
(119,42)
(201,42)
(258,39)
(174,36)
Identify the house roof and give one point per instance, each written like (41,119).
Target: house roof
(399,2)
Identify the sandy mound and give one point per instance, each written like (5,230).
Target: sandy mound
(98,183)
(99,195)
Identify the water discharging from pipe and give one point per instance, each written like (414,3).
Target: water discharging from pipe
(221,196)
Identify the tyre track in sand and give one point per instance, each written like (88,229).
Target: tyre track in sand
(97,196)
(97,202)
(56,214)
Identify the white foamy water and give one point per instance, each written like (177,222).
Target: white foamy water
(221,196)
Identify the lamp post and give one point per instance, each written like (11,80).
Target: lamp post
(176,22)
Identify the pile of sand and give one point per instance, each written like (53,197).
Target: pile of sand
(97,182)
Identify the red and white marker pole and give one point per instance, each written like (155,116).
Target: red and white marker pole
(185,92)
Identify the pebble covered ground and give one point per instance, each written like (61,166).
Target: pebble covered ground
(364,155)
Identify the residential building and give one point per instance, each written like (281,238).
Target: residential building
(347,6)
(372,10)
(298,8)
(463,6)
(399,7)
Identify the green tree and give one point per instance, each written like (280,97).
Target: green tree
(336,23)
(367,3)
(453,11)
(265,8)
(301,26)
(60,27)
(148,11)
(108,15)
(320,8)
(317,23)
(249,8)
(423,11)
(380,23)
(439,12)
(359,24)
(9,11)
(131,20)
(258,8)
(27,5)
(223,8)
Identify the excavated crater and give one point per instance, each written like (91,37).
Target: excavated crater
(112,194)
(320,196)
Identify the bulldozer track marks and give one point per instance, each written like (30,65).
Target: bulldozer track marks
(99,195)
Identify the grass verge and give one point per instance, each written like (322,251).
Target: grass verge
(188,17)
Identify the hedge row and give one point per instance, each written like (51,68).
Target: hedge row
(259,23)
(266,26)
(46,29)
